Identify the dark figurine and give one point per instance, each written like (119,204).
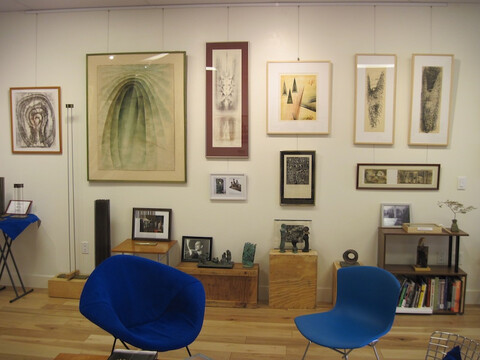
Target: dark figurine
(306,242)
(294,243)
(283,229)
(248,254)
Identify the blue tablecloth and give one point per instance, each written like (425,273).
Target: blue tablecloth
(13,226)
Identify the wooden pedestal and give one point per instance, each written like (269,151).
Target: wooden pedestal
(65,288)
(236,287)
(293,280)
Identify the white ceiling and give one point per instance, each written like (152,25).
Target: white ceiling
(55,5)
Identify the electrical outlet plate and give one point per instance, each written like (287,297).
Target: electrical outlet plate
(85,247)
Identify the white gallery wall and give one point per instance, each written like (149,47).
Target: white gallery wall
(49,49)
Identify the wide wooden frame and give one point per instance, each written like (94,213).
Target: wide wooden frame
(188,252)
(297,177)
(432,79)
(146,143)
(18,207)
(227,99)
(151,224)
(398,176)
(395,215)
(36,120)
(228,187)
(309,111)
(375,85)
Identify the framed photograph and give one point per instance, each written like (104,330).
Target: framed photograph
(299,97)
(297,177)
(18,207)
(147,142)
(398,176)
(227,99)
(36,120)
(375,85)
(193,247)
(151,224)
(290,229)
(432,79)
(228,187)
(394,215)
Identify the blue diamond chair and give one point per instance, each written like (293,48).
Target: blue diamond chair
(144,303)
(364,311)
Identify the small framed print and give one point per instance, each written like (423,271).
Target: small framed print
(194,247)
(297,177)
(395,215)
(18,207)
(228,187)
(151,224)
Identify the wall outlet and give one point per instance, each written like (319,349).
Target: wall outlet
(84,247)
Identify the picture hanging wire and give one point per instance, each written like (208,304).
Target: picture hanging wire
(71,191)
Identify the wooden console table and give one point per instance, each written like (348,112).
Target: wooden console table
(236,287)
(160,248)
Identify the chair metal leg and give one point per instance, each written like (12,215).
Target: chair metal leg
(305,353)
(374,348)
(189,353)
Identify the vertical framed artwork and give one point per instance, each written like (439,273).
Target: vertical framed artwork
(194,247)
(36,123)
(151,224)
(395,215)
(227,99)
(432,79)
(375,85)
(136,116)
(297,177)
(228,187)
(299,97)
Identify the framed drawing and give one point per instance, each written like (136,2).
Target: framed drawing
(36,120)
(147,142)
(228,187)
(394,215)
(290,230)
(299,97)
(297,177)
(227,99)
(432,79)
(398,176)
(151,224)
(193,247)
(375,85)
(19,207)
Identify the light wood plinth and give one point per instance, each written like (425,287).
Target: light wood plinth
(65,356)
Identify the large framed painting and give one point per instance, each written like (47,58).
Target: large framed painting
(375,84)
(227,100)
(36,123)
(297,177)
(299,97)
(136,116)
(432,78)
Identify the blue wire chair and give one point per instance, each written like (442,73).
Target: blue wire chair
(144,303)
(364,311)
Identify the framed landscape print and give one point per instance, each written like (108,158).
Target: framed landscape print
(147,142)
(36,120)
(228,187)
(299,97)
(297,177)
(375,84)
(432,79)
(151,224)
(227,99)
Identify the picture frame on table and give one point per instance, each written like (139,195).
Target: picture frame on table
(228,187)
(299,97)
(153,134)
(432,80)
(195,246)
(18,207)
(36,120)
(297,177)
(227,100)
(398,176)
(151,224)
(395,215)
(375,85)
(292,229)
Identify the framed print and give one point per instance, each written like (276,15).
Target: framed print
(398,176)
(375,85)
(432,79)
(394,215)
(151,224)
(297,177)
(18,207)
(36,120)
(194,247)
(290,230)
(147,142)
(228,187)
(227,99)
(299,97)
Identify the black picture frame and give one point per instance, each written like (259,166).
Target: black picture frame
(151,224)
(190,254)
(297,177)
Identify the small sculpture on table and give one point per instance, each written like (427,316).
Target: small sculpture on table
(248,255)
(225,263)
(283,235)
(350,258)
(422,256)
(305,237)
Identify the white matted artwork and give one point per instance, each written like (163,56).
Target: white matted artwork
(291,230)
(228,187)
(395,215)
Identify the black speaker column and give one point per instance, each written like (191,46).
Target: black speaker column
(2,195)
(102,230)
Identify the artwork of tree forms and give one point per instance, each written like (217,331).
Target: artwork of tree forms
(298,97)
(431,96)
(136,121)
(227,102)
(375,176)
(415,177)
(375,99)
(298,170)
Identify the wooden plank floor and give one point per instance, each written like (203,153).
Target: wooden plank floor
(37,327)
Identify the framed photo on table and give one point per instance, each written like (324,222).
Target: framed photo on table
(394,215)
(193,247)
(151,224)
(19,207)
(227,99)
(297,177)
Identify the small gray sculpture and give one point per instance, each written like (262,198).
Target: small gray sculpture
(248,254)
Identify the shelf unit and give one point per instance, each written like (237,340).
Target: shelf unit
(450,270)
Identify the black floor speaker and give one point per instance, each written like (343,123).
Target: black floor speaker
(2,195)
(102,231)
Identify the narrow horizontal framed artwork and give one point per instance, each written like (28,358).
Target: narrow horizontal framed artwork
(297,177)
(19,207)
(375,85)
(394,215)
(398,176)
(432,79)
(196,247)
(151,224)
(299,97)
(228,187)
